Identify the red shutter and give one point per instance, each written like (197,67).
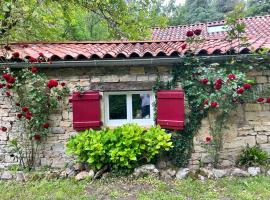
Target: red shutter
(86,110)
(170,109)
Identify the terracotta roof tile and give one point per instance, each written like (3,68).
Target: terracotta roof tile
(165,42)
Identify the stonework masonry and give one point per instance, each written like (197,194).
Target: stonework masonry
(250,124)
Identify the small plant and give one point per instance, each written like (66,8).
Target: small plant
(252,156)
(124,147)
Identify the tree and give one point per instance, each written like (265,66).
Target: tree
(258,7)
(60,20)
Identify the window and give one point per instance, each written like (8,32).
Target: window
(218,28)
(128,107)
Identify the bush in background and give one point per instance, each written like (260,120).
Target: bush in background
(124,147)
(252,156)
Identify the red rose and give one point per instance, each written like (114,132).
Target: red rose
(25,109)
(52,83)
(8,94)
(34,69)
(17,104)
(28,115)
(260,100)
(6,76)
(218,86)
(268,100)
(189,34)
(208,139)
(37,137)
(46,125)
(16,55)
(246,86)
(63,84)
(41,54)
(1,86)
(19,115)
(9,86)
(219,82)
(204,81)
(206,102)
(11,79)
(232,76)
(214,104)
(31,59)
(240,90)
(198,32)
(4,129)
(59,98)
(7,47)
(184,46)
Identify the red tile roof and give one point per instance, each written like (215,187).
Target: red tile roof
(165,42)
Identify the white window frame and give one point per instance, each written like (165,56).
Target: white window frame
(115,122)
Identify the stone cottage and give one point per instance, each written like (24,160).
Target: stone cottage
(127,70)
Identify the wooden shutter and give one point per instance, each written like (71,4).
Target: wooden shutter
(170,109)
(86,110)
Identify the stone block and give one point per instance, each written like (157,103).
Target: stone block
(240,142)
(136,70)
(261,79)
(58,147)
(57,130)
(152,77)
(261,128)
(261,139)
(142,78)
(163,69)
(253,107)
(124,78)
(96,79)
(266,72)
(110,78)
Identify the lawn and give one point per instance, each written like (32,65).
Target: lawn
(143,189)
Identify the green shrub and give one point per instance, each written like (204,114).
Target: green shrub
(252,156)
(124,147)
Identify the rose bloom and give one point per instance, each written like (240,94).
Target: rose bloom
(260,100)
(11,79)
(46,125)
(7,94)
(16,55)
(28,115)
(240,90)
(208,139)
(198,32)
(214,104)
(52,83)
(218,86)
(63,84)
(4,129)
(37,137)
(6,76)
(189,34)
(206,102)
(31,59)
(19,115)
(246,86)
(184,46)
(41,54)
(34,69)
(268,100)
(204,81)
(25,109)
(232,76)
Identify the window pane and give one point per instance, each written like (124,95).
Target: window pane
(117,107)
(141,106)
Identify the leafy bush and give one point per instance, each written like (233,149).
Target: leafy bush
(122,147)
(252,156)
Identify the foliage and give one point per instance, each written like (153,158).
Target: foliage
(252,156)
(52,20)
(255,7)
(123,147)
(34,99)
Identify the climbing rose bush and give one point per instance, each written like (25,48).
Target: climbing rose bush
(34,97)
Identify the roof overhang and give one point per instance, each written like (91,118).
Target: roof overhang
(156,61)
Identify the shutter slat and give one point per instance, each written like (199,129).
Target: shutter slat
(170,109)
(86,110)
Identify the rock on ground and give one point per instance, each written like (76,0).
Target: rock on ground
(182,173)
(20,177)
(219,173)
(254,171)
(148,169)
(168,173)
(6,175)
(84,174)
(239,173)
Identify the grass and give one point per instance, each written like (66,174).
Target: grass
(254,188)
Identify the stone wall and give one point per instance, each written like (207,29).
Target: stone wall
(100,78)
(249,124)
